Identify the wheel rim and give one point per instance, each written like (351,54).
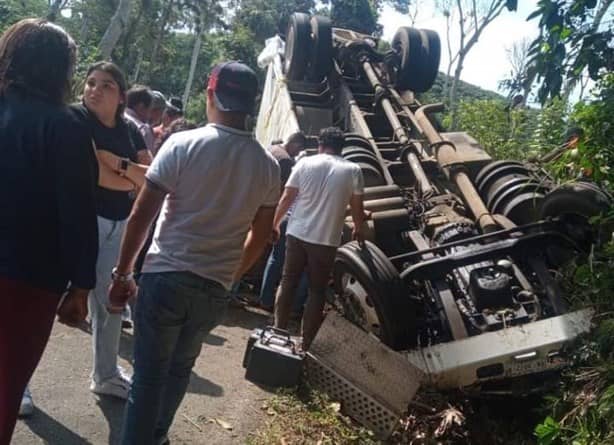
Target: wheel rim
(356,304)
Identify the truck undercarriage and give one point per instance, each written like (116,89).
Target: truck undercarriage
(458,269)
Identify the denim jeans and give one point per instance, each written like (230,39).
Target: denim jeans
(106,328)
(272,274)
(174,312)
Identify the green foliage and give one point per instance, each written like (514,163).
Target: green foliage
(266,17)
(12,11)
(359,15)
(595,150)
(196,108)
(570,42)
(582,413)
(548,431)
(466,92)
(549,133)
(502,132)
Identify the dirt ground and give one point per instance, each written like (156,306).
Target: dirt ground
(221,407)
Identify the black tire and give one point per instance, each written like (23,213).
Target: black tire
(511,192)
(576,198)
(357,140)
(431,67)
(371,175)
(576,203)
(354,149)
(419,52)
(501,185)
(524,208)
(488,168)
(506,169)
(408,44)
(362,158)
(322,49)
(396,311)
(298,46)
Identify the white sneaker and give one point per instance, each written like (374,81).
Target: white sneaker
(27,405)
(117,386)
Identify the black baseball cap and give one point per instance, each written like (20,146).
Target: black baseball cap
(234,86)
(175,104)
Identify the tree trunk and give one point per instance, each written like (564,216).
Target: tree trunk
(54,8)
(130,51)
(84,29)
(446,82)
(156,48)
(137,70)
(454,90)
(115,29)
(495,8)
(193,63)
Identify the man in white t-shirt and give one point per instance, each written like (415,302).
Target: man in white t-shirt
(320,187)
(217,188)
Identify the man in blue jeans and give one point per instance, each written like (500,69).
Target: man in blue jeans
(213,186)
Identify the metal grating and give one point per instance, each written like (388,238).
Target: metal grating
(354,402)
(383,374)
(373,383)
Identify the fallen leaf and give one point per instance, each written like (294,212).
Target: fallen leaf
(335,406)
(222,423)
(450,418)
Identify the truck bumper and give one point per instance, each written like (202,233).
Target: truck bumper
(509,353)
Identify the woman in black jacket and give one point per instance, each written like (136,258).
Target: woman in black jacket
(48,230)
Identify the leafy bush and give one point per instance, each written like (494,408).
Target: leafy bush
(594,154)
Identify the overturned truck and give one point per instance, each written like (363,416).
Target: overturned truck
(457,272)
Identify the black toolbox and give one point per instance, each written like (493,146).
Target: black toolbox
(272,358)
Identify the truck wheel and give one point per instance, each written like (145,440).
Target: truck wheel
(419,52)
(431,66)
(576,203)
(371,175)
(488,168)
(298,46)
(353,139)
(370,294)
(322,48)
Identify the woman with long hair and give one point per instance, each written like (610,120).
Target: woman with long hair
(118,146)
(48,233)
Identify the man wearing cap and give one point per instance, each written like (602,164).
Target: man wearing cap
(158,107)
(172,112)
(217,188)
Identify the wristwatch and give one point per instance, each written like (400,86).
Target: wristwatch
(121,277)
(124,163)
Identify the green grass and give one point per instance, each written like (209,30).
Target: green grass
(307,417)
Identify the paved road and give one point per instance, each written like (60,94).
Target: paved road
(67,413)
